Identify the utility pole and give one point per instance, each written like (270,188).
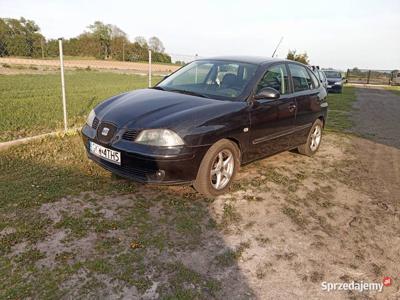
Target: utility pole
(123,50)
(42,46)
(149,68)
(64,101)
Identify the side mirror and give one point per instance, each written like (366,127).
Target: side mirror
(267,93)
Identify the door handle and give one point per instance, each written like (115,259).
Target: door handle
(292,107)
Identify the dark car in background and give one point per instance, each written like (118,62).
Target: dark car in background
(335,81)
(202,122)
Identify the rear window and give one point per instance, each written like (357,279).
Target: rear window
(314,79)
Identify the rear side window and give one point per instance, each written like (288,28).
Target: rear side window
(276,77)
(301,78)
(322,75)
(314,79)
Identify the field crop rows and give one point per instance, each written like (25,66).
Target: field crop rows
(31,104)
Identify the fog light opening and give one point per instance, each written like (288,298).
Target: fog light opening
(157,175)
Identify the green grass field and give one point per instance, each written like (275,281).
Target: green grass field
(31,103)
(339,110)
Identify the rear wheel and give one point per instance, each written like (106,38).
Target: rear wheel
(313,140)
(217,169)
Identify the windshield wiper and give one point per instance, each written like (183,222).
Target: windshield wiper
(158,88)
(188,93)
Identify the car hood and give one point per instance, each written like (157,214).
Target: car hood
(150,108)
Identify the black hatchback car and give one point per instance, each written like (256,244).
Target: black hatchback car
(202,122)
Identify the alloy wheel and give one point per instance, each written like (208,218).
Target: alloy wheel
(222,169)
(315,138)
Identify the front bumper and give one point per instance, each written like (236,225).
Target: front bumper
(175,165)
(334,87)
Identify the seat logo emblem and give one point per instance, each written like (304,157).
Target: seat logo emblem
(105,131)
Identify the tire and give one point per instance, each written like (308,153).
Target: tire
(310,148)
(205,182)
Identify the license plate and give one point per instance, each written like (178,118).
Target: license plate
(105,153)
(329,86)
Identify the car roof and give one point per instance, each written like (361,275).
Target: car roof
(246,59)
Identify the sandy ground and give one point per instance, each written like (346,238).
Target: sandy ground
(290,223)
(93,64)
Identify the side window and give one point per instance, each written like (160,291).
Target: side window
(275,77)
(301,78)
(314,79)
(322,75)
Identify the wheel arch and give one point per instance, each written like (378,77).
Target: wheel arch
(238,144)
(322,118)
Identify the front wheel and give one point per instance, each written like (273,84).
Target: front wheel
(217,169)
(313,140)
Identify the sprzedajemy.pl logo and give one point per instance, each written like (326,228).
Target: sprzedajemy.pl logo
(360,286)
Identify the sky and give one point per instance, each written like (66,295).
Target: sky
(336,33)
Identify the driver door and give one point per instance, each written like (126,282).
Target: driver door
(272,121)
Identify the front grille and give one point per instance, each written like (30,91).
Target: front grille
(95,123)
(130,135)
(105,135)
(128,170)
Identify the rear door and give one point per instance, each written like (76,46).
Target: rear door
(306,90)
(272,120)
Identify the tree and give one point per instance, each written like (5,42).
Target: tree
(102,33)
(302,58)
(20,38)
(356,71)
(141,41)
(104,41)
(156,45)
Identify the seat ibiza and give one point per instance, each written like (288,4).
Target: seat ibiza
(202,122)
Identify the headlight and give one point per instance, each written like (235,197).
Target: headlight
(159,137)
(338,82)
(90,118)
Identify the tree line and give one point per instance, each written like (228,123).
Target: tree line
(103,41)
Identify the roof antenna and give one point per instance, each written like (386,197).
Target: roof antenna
(280,41)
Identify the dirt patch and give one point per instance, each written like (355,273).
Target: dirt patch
(289,223)
(139,67)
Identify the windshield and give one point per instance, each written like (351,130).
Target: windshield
(333,74)
(211,79)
